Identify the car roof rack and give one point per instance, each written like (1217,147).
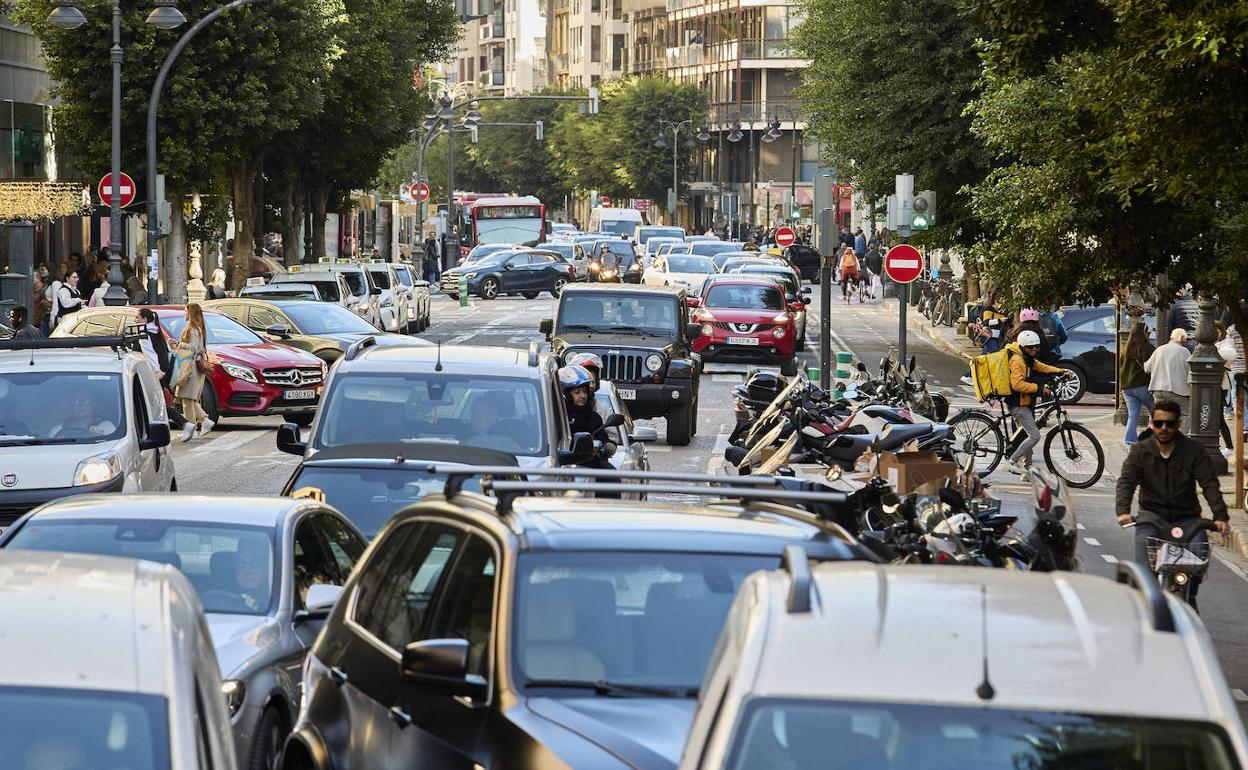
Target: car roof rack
(798,567)
(534,350)
(118,342)
(357,347)
(1132,574)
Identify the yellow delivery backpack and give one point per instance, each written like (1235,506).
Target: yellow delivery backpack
(990,375)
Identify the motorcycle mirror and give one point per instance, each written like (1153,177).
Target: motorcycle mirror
(613,420)
(862,367)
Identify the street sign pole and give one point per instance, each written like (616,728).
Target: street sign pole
(827,252)
(902,264)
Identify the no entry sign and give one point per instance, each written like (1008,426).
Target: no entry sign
(420,192)
(785,237)
(126,191)
(903,263)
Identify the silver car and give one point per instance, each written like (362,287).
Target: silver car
(417,290)
(630,439)
(267,571)
(393,299)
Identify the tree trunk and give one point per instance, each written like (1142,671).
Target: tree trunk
(320,202)
(243,181)
(292,216)
(259,203)
(972,280)
(175,250)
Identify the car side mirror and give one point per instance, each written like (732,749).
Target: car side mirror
(288,440)
(375,291)
(157,436)
(319,602)
(441,665)
(613,420)
(278,330)
(693,331)
(579,449)
(546,326)
(693,301)
(644,433)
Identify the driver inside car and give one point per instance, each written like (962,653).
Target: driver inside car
(483,419)
(84,419)
(252,572)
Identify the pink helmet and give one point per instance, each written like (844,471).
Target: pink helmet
(1029,314)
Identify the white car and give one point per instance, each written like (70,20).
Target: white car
(393,301)
(78,418)
(330,286)
(961,667)
(686,271)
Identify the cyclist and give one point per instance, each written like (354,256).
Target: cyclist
(1024,366)
(1166,470)
(849,270)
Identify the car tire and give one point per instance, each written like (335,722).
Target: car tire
(557,289)
(303,420)
(680,425)
(173,485)
(693,429)
(489,289)
(1071,391)
(266,749)
(529,294)
(453,295)
(801,342)
(208,402)
(789,367)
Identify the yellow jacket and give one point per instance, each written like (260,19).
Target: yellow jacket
(1020,374)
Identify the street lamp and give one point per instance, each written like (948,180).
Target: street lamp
(66,15)
(675,128)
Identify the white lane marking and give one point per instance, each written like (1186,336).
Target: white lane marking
(1239,695)
(717,452)
(1110,559)
(1092,541)
(461,338)
(229,442)
(1232,566)
(1080,526)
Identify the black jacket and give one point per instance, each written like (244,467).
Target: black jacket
(1168,486)
(584,419)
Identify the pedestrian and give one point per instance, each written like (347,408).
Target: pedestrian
(1168,367)
(431,259)
(860,244)
(1052,336)
(101,287)
(157,350)
(54,292)
(847,238)
(192,370)
(1133,380)
(874,262)
(68,300)
(136,291)
(42,304)
(216,285)
(22,328)
(1025,387)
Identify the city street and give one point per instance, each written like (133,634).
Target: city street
(240,455)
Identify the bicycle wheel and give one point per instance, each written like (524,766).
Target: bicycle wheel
(1077,458)
(976,435)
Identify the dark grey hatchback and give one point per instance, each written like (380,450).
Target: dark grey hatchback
(541,631)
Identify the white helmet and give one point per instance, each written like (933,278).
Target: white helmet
(1027,338)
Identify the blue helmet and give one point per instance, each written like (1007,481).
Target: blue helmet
(574,377)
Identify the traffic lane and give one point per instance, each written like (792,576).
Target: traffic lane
(239,457)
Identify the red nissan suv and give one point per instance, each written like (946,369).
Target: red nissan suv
(746,319)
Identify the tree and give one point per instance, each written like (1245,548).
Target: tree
(512,156)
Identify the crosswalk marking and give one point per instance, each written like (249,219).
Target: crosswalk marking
(1239,695)
(228,442)
(1109,558)
(1092,541)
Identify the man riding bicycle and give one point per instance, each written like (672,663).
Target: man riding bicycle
(1025,387)
(1166,470)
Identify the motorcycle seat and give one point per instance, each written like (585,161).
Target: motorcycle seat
(897,435)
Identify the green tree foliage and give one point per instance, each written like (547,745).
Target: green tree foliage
(512,156)
(886,93)
(400,165)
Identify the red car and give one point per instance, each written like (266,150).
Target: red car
(746,319)
(250,376)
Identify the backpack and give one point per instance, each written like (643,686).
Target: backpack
(1048,328)
(990,375)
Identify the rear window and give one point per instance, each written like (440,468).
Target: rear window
(745,297)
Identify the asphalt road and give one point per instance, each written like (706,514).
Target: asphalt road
(240,456)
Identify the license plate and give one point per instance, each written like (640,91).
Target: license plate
(300,395)
(743,341)
(628,394)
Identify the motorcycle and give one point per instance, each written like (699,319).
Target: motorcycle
(1178,562)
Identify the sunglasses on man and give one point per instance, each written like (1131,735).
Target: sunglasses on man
(1171,424)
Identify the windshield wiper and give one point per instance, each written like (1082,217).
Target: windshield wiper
(584,327)
(32,441)
(616,689)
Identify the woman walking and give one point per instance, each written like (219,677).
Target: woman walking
(1168,367)
(192,370)
(216,285)
(1133,380)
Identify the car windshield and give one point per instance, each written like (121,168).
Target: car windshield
(562,248)
(784,277)
(60,408)
(646,233)
(655,314)
(222,330)
(231,566)
(292,292)
(405,275)
(369,497)
(485,250)
(509,230)
(324,318)
(617,226)
(642,619)
(711,248)
(503,413)
(50,728)
(327,288)
(804,733)
(744,296)
(355,282)
(690,264)
(381,277)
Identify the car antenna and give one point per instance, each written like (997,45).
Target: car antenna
(985,690)
(437,367)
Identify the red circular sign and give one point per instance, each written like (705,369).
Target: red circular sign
(903,263)
(421,192)
(785,237)
(125,194)
(604,200)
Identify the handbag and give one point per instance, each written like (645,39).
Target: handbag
(201,365)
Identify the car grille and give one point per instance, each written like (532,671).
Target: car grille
(624,367)
(743,328)
(244,399)
(296,377)
(12,512)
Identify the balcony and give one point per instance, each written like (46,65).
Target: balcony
(493,28)
(561,62)
(686,56)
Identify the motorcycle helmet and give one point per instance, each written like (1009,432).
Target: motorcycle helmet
(1029,314)
(590,361)
(574,376)
(1027,338)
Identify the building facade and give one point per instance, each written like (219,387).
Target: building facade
(503,50)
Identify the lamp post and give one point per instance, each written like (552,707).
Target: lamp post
(773,130)
(1205,369)
(661,143)
(66,16)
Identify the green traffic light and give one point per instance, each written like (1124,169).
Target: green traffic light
(919,222)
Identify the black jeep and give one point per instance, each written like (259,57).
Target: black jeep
(643,335)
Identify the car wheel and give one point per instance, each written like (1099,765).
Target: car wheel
(679,425)
(270,735)
(530,294)
(557,289)
(789,367)
(453,295)
(1071,390)
(173,485)
(801,343)
(489,288)
(303,420)
(208,402)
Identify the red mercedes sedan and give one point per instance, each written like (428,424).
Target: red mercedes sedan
(250,376)
(746,319)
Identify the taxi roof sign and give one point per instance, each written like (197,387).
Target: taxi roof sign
(295,269)
(344,261)
(257,281)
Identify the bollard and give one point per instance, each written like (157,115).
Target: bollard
(463,291)
(812,373)
(844,369)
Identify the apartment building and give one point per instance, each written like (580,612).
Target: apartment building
(587,42)
(503,50)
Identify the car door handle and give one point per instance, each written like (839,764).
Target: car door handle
(400,717)
(338,675)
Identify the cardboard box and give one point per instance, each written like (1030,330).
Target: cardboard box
(907,471)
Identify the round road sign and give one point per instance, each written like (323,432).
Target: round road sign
(420,192)
(785,237)
(125,193)
(903,263)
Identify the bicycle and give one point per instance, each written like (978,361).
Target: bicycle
(978,434)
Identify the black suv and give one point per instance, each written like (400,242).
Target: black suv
(643,335)
(542,631)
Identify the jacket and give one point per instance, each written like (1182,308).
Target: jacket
(1168,367)
(849,264)
(1168,485)
(1022,366)
(1131,372)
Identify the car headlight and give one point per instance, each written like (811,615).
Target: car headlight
(779,332)
(97,470)
(654,362)
(234,692)
(707,330)
(239,372)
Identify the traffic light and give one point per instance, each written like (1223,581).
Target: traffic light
(923,210)
(541,130)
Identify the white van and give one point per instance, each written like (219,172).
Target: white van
(619,222)
(76,419)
